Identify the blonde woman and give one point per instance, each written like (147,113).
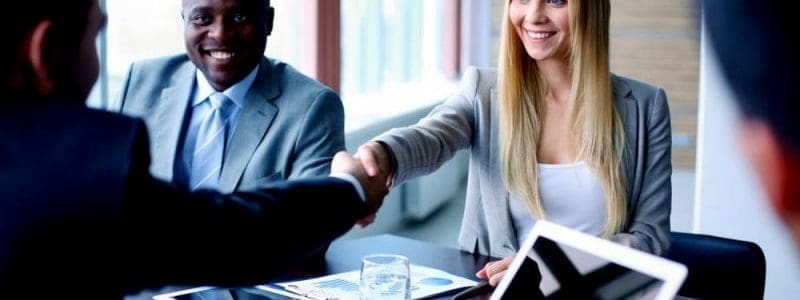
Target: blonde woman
(552,134)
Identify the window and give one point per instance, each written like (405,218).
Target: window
(398,43)
(392,55)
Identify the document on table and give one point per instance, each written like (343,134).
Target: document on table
(425,282)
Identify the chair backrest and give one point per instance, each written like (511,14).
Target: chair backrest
(719,268)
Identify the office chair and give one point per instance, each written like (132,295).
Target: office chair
(719,268)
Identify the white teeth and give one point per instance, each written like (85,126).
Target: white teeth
(539,35)
(221,55)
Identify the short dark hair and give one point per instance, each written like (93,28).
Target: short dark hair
(69,19)
(758,47)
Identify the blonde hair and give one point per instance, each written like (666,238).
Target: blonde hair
(596,125)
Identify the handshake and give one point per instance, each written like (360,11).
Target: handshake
(373,166)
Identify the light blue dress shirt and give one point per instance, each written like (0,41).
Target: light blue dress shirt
(201,107)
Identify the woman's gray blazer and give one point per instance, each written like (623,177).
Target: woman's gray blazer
(469,120)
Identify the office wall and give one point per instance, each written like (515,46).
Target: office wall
(730,202)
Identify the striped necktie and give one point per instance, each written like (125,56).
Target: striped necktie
(210,144)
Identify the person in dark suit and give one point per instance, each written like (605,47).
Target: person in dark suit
(80,214)
(757,46)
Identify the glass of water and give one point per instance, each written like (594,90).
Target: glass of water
(385,277)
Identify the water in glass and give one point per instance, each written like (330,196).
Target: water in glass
(385,277)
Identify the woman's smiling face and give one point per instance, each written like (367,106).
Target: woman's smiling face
(542,26)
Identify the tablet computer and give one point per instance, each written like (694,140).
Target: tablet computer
(556,262)
(214,293)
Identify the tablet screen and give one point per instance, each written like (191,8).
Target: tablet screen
(564,272)
(228,294)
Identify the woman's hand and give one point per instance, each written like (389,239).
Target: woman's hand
(494,271)
(376,160)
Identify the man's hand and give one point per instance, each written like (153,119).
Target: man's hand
(376,160)
(375,188)
(495,270)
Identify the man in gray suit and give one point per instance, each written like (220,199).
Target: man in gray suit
(224,116)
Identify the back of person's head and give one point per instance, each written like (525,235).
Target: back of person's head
(68,25)
(758,48)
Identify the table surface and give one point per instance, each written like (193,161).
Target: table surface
(345,256)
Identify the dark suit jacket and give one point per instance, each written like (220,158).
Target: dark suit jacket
(81,216)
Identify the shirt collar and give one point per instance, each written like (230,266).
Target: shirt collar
(236,92)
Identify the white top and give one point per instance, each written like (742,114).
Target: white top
(571,195)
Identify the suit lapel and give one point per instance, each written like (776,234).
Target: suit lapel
(629,112)
(169,113)
(257,115)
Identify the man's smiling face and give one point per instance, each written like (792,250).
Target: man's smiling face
(226,39)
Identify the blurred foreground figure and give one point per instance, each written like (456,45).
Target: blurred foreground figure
(758,46)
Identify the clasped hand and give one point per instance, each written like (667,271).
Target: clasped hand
(371,165)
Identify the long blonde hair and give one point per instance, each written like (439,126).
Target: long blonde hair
(596,125)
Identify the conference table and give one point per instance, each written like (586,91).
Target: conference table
(346,255)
